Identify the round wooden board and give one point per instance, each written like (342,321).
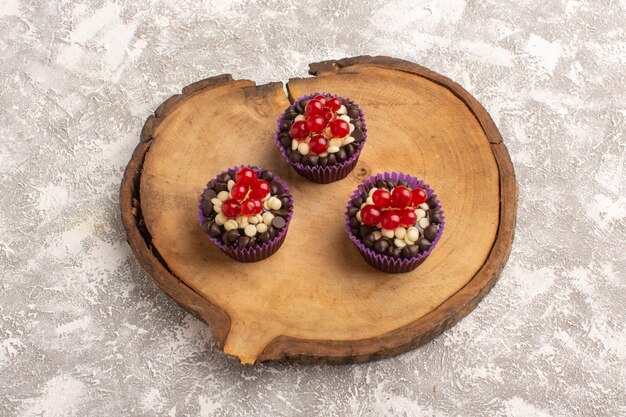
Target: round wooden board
(316,300)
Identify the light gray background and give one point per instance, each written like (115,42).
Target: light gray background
(84,331)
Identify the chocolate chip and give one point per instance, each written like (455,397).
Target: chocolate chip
(275,187)
(272,232)
(283,212)
(233,174)
(355,231)
(286,142)
(285,201)
(252,242)
(291,113)
(352,211)
(354,222)
(267,176)
(357,125)
(389,251)
(435,216)
(264,237)
(232,236)
(295,156)
(364,196)
(405,252)
(354,113)
(349,150)
(225,177)
(396,252)
(323,161)
(357,202)
(424,244)
(381,184)
(207,207)
(390,184)
(278,222)
(243,241)
(357,134)
(213,229)
(413,250)
(332,159)
(301,105)
(313,159)
(403,183)
(286,124)
(369,241)
(431,232)
(224,237)
(209,194)
(341,155)
(211,185)
(221,186)
(381,245)
(366,230)
(432,202)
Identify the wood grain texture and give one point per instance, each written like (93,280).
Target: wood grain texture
(316,300)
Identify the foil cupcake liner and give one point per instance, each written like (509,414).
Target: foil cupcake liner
(257,252)
(329,173)
(387,263)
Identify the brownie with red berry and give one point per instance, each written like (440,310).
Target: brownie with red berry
(394,216)
(245,211)
(321,136)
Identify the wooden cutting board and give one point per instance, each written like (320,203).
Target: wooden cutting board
(316,300)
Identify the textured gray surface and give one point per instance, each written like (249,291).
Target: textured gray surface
(83,331)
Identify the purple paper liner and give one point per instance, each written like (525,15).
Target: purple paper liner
(387,263)
(329,173)
(257,252)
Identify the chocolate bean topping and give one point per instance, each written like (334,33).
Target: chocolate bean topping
(301,105)
(323,161)
(357,202)
(405,252)
(295,156)
(264,237)
(313,159)
(232,236)
(396,252)
(354,222)
(275,187)
(285,201)
(354,113)
(432,202)
(369,241)
(267,176)
(403,183)
(366,230)
(390,184)
(286,124)
(209,194)
(214,230)
(207,207)
(355,231)
(278,222)
(352,211)
(364,196)
(357,124)
(272,232)
(252,242)
(381,184)
(283,212)
(413,250)
(233,174)
(243,241)
(349,150)
(424,244)
(381,245)
(221,186)
(286,142)
(357,134)
(224,237)
(332,159)
(291,114)
(341,155)
(435,216)
(225,177)
(431,232)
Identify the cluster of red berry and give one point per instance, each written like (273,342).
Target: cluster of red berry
(393,209)
(247,193)
(320,113)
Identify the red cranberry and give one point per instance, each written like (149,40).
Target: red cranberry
(239,191)
(258,205)
(327,114)
(321,99)
(313,108)
(408,218)
(382,198)
(230,208)
(390,220)
(315,124)
(419,196)
(370,215)
(401,197)
(334,104)
(249,207)
(246,176)
(260,189)
(299,130)
(318,144)
(339,128)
